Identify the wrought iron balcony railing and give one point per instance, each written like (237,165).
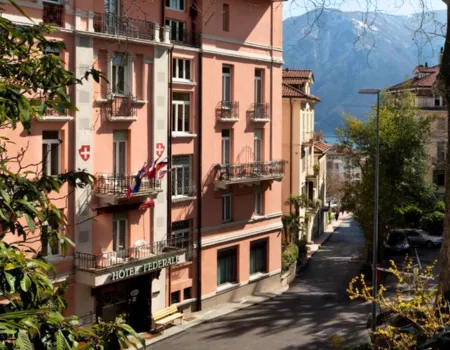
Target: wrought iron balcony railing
(110,23)
(184,37)
(227,111)
(117,185)
(260,112)
(108,259)
(249,172)
(53,14)
(120,108)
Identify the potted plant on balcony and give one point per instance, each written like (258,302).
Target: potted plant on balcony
(316,169)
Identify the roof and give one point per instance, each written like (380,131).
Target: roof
(297,73)
(322,147)
(424,82)
(295,81)
(290,91)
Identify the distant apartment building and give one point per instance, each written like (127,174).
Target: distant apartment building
(304,149)
(196,85)
(433,105)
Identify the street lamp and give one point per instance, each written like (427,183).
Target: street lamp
(375,210)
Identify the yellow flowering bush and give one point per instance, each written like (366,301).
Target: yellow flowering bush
(411,315)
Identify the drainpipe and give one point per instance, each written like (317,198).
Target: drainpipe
(199,183)
(271,80)
(169,164)
(291,136)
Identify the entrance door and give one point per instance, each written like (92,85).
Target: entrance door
(130,299)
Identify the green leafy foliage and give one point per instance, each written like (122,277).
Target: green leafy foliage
(289,256)
(31,82)
(433,223)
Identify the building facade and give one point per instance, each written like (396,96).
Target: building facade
(195,85)
(304,149)
(431,104)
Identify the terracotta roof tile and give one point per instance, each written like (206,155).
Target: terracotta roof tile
(424,82)
(297,73)
(295,81)
(322,147)
(290,91)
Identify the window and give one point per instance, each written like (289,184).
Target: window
(226,17)
(119,232)
(177,29)
(226,207)
(119,74)
(50,152)
(112,6)
(175,297)
(181,178)
(187,293)
(226,146)
(437,101)
(439,177)
(258,145)
(226,85)
(258,86)
(258,256)
(226,265)
(258,201)
(50,246)
(52,50)
(181,105)
(181,233)
(175,4)
(119,152)
(181,69)
(440,151)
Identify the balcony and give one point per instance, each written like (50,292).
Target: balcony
(112,188)
(53,14)
(227,112)
(119,108)
(57,115)
(433,108)
(249,173)
(260,112)
(109,23)
(99,269)
(184,37)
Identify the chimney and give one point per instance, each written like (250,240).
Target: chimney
(440,55)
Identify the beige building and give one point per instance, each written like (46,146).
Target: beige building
(303,149)
(433,105)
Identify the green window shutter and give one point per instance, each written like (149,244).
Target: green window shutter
(435,176)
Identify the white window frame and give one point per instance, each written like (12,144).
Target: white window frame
(258,86)
(226,199)
(177,6)
(112,6)
(258,201)
(49,254)
(115,76)
(185,183)
(118,139)
(176,104)
(47,158)
(116,223)
(226,148)
(180,27)
(226,77)
(183,232)
(257,145)
(176,71)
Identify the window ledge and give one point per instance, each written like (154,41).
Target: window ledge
(178,134)
(185,302)
(258,218)
(258,276)
(183,82)
(177,199)
(58,258)
(49,118)
(227,286)
(173,9)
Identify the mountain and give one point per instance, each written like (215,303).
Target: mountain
(348,51)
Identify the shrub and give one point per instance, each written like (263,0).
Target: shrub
(410,215)
(433,223)
(289,256)
(440,206)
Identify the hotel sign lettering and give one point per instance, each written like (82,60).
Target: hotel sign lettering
(144,268)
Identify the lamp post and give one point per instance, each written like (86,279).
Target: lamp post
(375,209)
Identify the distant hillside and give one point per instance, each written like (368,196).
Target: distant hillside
(384,54)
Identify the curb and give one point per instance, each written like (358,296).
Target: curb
(215,314)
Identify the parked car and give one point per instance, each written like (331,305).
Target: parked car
(397,242)
(418,237)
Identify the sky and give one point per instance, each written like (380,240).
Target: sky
(396,7)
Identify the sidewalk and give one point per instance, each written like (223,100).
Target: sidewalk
(197,318)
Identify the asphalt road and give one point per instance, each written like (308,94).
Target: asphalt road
(315,307)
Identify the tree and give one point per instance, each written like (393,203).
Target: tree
(403,139)
(335,184)
(292,223)
(30,83)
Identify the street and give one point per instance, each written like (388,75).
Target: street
(315,307)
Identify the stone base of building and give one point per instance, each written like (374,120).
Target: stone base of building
(241,290)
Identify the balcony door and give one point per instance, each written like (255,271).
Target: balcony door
(112,7)
(226,146)
(226,86)
(120,233)
(119,152)
(257,148)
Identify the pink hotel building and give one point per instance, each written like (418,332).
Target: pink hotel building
(198,82)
